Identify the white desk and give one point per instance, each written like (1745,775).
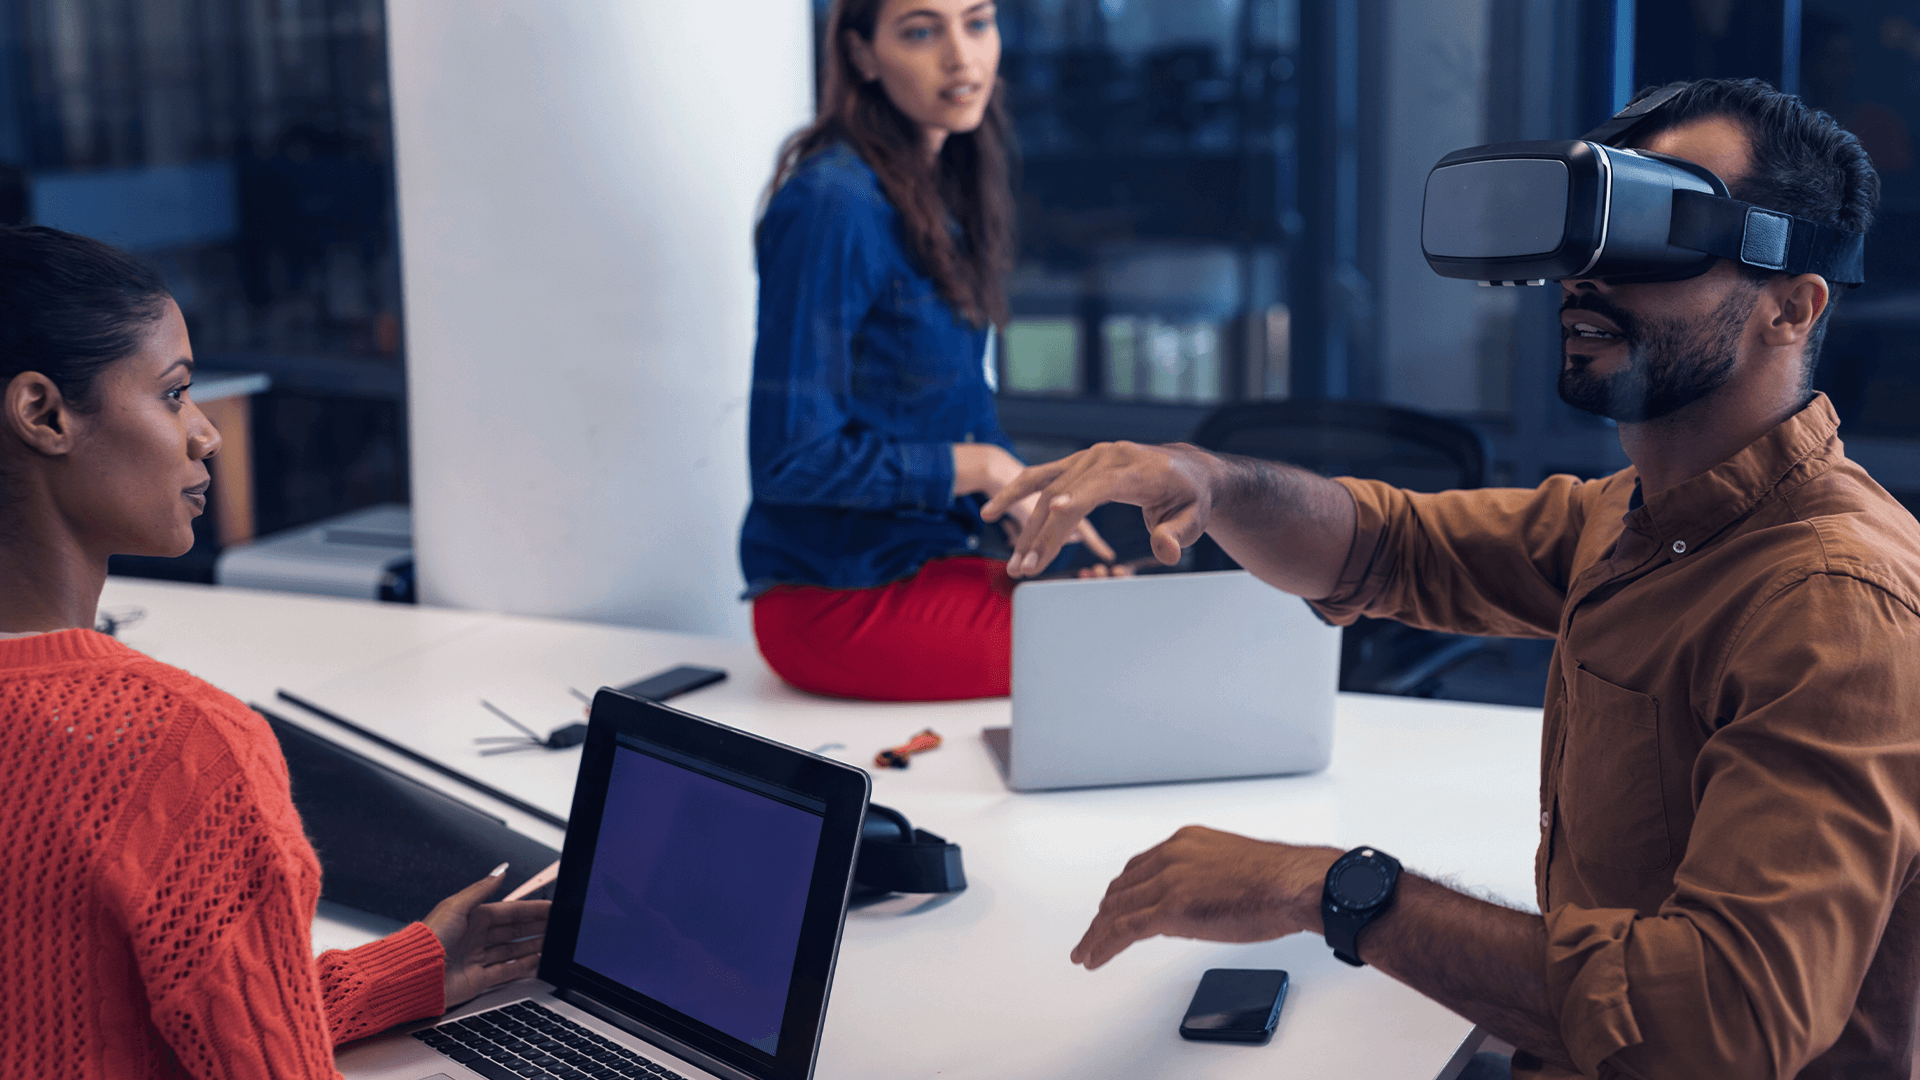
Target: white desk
(977,985)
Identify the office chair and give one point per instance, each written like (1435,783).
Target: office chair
(1409,449)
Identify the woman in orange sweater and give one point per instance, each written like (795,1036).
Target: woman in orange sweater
(158,889)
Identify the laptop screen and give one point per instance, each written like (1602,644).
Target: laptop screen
(704,887)
(697,891)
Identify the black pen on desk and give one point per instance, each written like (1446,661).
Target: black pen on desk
(559,739)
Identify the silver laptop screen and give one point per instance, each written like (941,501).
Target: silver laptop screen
(697,891)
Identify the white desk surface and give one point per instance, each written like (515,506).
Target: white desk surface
(977,985)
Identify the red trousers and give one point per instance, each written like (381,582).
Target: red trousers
(944,634)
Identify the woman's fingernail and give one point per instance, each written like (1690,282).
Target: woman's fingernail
(498,870)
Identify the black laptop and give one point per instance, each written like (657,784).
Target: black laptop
(696,919)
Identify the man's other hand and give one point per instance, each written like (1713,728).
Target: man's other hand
(1172,485)
(1212,885)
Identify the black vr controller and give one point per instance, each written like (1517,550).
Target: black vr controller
(1526,213)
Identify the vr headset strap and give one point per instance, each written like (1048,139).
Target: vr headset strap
(909,860)
(1632,116)
(1767,239)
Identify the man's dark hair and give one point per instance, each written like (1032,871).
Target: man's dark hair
(1803,162)
(70,305)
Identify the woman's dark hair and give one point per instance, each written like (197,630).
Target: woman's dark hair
(1802,161)
(71,305)
(970,183)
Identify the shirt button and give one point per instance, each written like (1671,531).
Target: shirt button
(973,542)
(1679,547)
(1546,819)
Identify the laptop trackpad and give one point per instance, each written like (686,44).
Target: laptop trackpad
(1000,741)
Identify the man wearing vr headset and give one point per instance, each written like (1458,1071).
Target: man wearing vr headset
(1730,790)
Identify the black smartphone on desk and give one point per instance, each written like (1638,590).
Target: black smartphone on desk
(1235,1005)
(673,682)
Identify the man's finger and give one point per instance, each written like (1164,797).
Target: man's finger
(1029,481)
(1053,524)
(1096,543)
(1178,532)
(1108,937)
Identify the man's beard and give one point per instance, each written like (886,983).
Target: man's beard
(1670,364)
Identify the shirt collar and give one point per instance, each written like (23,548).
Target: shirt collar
(1696,510)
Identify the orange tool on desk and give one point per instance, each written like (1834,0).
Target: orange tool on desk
(896,758)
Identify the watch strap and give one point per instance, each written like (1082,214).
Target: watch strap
(1343,935)
(1342,923)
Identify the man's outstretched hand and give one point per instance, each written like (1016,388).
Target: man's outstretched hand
(1211,885)
(1172,485)
(487,944)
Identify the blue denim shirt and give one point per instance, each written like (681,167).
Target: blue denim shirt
(863,378)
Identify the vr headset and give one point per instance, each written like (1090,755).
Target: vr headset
(896,857)
(1526,213)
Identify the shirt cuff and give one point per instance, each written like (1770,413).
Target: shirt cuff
(1587,982)
(926,475)
(1360,582)
(405,974)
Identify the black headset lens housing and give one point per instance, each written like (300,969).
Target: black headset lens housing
(1529,212)
(1526,213)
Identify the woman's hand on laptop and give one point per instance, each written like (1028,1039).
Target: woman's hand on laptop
(487,944)
(1171,485)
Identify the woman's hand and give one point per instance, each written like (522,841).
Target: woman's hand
(487,944)
(984,468)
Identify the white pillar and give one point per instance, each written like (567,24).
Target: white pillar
(578,181)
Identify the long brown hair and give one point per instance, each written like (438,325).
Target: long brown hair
(971,182)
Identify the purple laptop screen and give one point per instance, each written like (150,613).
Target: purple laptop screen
(696,895)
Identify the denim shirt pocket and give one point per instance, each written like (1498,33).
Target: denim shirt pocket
(1611,801)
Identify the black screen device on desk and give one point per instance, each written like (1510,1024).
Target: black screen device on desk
(1235,1005)
(387,843)
(672,682)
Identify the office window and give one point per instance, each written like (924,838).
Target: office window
(1860,61)
(1156,193)
(246,149)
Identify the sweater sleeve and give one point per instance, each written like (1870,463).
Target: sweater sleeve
(818,279)
(401,977)
(215,887)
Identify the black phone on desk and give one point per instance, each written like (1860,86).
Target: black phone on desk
(1235,1005)
(672,682)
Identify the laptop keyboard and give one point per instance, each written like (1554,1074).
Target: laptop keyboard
(524,1040)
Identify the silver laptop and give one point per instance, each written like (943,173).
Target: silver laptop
(696,919)
(1165,677)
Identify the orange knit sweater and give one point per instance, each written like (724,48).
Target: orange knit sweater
(156,889)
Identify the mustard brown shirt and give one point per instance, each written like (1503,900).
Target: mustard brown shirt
(1730,759)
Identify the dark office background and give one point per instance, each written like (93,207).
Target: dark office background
(1219,204)
(247,149)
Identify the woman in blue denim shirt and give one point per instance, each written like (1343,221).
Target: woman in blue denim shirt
(872,435)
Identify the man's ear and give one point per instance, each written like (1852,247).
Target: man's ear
(1795,305)
(34,411)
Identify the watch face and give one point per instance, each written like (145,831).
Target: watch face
(1359,884)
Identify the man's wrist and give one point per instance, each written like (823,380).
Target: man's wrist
(1306,879)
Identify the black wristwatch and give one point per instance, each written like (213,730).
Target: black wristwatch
(1359,889)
